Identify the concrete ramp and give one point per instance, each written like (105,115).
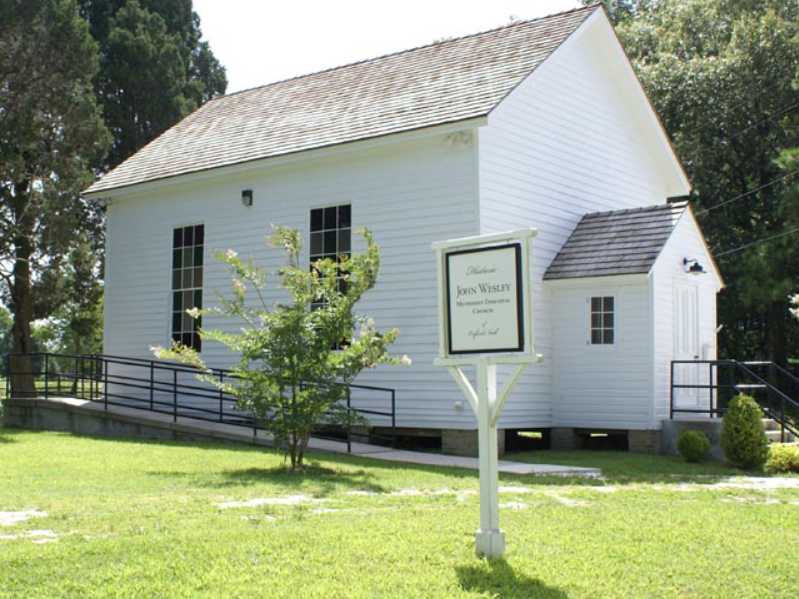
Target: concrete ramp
(93,418)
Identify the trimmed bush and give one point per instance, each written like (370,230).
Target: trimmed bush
(783,458)
(693,445)
(742,436)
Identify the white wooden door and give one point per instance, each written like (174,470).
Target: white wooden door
(686,344)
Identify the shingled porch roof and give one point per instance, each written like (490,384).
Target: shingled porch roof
(619,242)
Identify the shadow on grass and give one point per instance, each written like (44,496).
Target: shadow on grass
(322,480)
(498,579)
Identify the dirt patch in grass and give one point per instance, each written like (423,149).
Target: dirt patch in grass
(36,536)
(259,501)
(12,518)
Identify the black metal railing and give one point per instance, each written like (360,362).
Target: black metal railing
(171,389)
(725,378)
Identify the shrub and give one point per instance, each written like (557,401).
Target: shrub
(783,458)
(297,355)
(742,436)
(693,445)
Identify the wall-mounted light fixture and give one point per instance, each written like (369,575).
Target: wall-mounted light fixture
(246,197)
(692,266)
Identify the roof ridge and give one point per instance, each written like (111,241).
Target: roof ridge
(441,42)
(674,206)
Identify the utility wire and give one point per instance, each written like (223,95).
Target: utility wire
(756,242)
(779,113)
(748,193)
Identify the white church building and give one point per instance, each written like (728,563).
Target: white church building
(539,123)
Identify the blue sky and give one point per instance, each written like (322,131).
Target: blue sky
(260,41)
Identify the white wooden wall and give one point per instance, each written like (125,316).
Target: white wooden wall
(685,242)
(409,195)
(569,140)
(603,386)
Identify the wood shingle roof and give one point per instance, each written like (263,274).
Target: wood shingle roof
(444,82)
(618,242)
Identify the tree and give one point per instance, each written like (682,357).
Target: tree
(719,74)
(154,68)
(619,10)
(5,337)
(296,357)
(51,132)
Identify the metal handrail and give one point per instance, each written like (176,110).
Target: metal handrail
(159,395)
(744,367)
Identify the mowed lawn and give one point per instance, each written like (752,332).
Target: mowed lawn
(117,518)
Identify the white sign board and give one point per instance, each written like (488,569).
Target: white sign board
(484,300)
(485,311)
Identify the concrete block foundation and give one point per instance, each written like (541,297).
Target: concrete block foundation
(644,441)
(464,442)
(710,426)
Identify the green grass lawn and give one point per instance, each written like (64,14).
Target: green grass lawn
(138,519)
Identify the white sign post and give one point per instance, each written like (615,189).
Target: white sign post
(485,319)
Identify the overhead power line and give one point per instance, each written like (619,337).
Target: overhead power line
(781,112)
(748,193)
(756,242)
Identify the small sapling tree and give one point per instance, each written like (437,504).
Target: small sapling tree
(296,355)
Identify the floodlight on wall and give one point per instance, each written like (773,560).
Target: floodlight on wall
(246,197)
(693,267)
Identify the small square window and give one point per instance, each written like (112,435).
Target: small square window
(177,258)
(199,235)
(602,321)
(188,236)
(177,238)
(188,257)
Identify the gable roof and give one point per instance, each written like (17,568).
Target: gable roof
(619,242)
(440,83)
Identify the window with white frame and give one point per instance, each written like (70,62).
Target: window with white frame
(331,235)
(602,320)
(187,283)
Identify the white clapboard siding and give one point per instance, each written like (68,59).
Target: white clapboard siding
(573,138)
(685,242)
(602,386)
(409,195)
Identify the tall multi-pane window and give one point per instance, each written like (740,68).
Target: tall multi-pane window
(331,234)
(602,320)
(187,283)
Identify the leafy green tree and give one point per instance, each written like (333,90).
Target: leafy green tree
(5,337)
(719,73)
(80,318)
(51,133)
(619,10)
(296,357)
(154,68)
